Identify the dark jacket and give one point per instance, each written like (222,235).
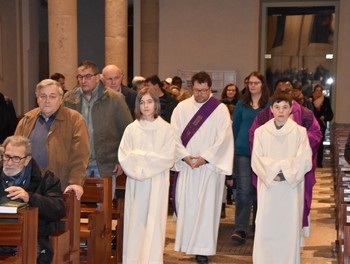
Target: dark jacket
(168,103)
(347,150)
(8,118)
(326,111)
(44,193)
(130,98)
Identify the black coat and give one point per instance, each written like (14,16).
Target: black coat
(44,193)
(8,118)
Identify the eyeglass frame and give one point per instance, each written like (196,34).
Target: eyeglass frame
(8,158)
(202,91)
(255,83)
(86,76)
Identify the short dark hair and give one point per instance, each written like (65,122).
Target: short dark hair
(177,81)
(284,80)
(56,76)
(201,77)
(154,79)
(281,96)
(87,64)
(153,94)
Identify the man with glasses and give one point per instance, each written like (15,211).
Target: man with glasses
(59,136)
(106,115)
(204,155)
(22,181)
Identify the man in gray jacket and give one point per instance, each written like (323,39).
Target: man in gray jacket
(106,115)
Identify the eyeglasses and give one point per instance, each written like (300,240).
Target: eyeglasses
(87,76)
(229,90)
(195,91)
(253,83)
(15,159)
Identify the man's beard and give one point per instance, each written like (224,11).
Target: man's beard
(7,173)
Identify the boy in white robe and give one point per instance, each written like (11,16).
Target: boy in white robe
(146,154)
(281,156)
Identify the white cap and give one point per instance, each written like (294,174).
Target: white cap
(169,80)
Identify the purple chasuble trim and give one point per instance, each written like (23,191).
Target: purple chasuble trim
(191,128)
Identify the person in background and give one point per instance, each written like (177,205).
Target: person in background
(167,102)
(146,154)
(204,155)
(229,96)
(61,79)
(347,150)
(281,157)
(8,118)
(59,137)
(138,82)
(254,100)
(303,117)
(106,115)
(299,96)
(23,181)
(323,113)
(112,77)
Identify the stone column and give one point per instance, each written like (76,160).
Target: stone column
(116,35)
(63,39)
(149,37)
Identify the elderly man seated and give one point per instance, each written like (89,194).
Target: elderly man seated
(22,180)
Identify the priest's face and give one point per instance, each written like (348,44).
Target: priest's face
(201,92)
(281,112)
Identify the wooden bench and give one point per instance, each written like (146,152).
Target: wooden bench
(118,214)
(96,206)
(20,230)
(66,244)
(340,134)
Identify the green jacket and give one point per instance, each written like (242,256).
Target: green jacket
(110,117)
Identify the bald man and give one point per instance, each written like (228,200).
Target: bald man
(112,77)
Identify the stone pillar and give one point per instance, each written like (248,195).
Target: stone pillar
(63,39)
(149,37)
(116,35)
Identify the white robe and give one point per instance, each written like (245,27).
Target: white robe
(280,204)
(146,154)
(199,191)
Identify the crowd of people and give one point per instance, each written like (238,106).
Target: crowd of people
(248,147)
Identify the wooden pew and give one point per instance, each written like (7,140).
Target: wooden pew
(340,134)
(66,244)
(96,205)
(22,232)
(118,214)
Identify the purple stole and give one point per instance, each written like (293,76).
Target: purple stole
(192,127)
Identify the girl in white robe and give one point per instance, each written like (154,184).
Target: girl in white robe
(281,156)
(146,153)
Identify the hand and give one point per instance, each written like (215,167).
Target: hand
(229,183)
(118,170)
(75,188)
(277,178)
(16,192)
(194,161)
(200,161)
